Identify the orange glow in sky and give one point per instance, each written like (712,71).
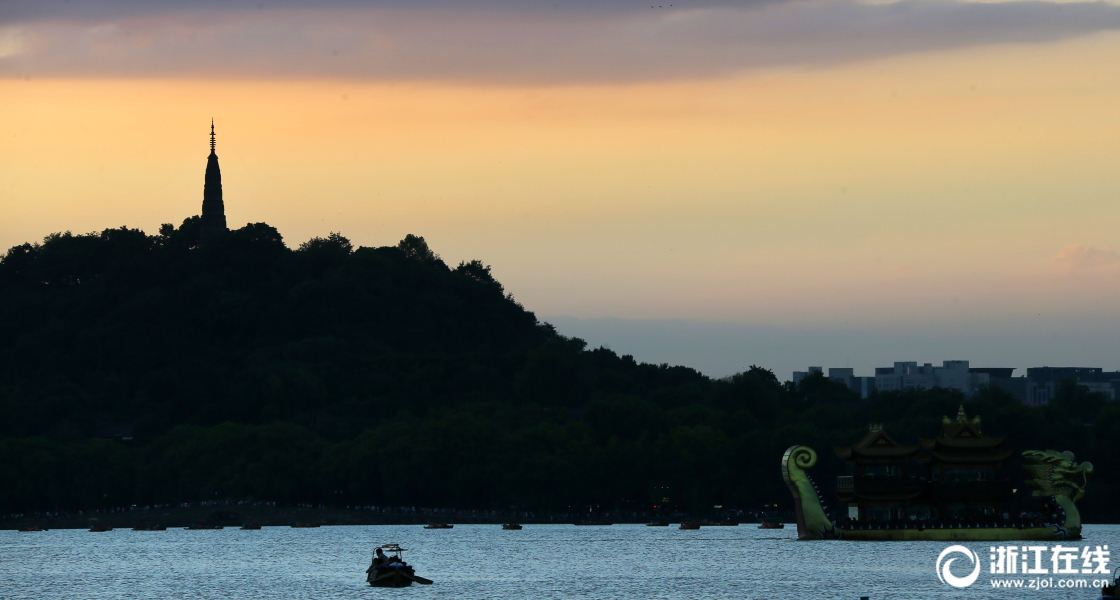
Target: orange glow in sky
(958,185)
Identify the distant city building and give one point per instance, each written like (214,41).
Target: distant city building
(864,386)
(994,372)
(1055,374)
(1036,388)
(1041,383)
(1047,379)
(952,374)
(1101,387)
(799,375)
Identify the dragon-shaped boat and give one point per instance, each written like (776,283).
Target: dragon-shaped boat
(911,514)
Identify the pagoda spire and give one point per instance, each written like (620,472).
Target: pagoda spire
(213,224)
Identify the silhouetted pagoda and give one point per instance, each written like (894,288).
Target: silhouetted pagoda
(954,476)
(213,209)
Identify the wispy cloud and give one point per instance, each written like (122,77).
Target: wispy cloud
(11,41)
(29,10)
(506,41)
(1087,258)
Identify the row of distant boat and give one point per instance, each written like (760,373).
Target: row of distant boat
(102,528)
(684,525)
(505,526)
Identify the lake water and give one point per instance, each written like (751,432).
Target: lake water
(483,561)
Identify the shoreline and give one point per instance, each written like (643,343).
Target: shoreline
(234,515)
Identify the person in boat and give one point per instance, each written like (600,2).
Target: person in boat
(379,560)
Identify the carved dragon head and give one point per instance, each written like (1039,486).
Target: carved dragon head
(1056,473)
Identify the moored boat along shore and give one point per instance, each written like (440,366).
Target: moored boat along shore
(236,515)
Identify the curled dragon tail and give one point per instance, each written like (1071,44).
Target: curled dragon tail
(812,522)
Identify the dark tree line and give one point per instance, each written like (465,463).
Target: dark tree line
(342,375)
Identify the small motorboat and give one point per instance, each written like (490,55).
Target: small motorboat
(657,524)
(100,529)
(511,527)
(32,528)
(439,526)
(771,525)
(203,526)
(251,526)
(396,573)
(690,525)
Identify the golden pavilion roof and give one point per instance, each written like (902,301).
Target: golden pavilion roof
(876,444)
(962,441)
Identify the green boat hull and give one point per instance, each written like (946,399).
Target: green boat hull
(1054,478)
(980,534)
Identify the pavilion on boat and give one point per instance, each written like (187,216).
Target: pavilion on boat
(957,475)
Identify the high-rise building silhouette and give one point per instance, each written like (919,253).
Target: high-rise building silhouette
(213,209)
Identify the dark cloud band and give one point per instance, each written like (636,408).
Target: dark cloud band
(490,43)
(20,10)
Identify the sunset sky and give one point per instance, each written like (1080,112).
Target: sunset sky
(710,182)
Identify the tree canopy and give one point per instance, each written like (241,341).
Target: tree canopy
(143,369)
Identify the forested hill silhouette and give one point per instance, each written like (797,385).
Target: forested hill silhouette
(156,331)
(149,369)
